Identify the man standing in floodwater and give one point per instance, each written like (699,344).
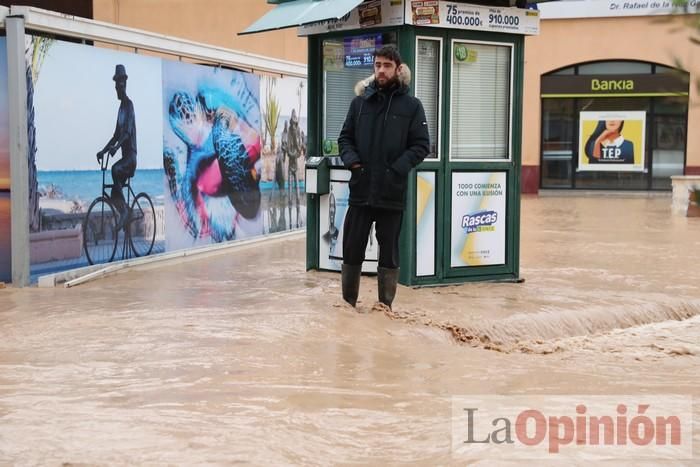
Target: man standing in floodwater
(384,136)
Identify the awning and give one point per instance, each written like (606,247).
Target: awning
(300,12)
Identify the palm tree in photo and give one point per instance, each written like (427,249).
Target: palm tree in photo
(36,49)
(271,113)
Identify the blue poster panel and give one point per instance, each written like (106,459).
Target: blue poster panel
(283,131)
(132,155)
(5,247)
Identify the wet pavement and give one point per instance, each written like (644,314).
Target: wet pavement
(247,358)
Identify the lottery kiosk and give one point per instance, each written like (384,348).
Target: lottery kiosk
(463,208)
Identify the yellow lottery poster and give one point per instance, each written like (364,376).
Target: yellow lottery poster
(425,223)
(612,141)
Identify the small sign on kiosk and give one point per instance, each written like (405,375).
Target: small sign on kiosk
(318,174)
(461,221)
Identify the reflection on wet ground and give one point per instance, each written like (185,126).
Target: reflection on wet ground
(248,358)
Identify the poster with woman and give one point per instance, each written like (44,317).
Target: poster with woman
(612,141)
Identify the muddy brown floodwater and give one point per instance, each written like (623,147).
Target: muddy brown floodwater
(247,358)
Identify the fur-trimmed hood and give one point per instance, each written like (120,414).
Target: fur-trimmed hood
(404,74)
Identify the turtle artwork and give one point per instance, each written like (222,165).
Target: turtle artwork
(214,181)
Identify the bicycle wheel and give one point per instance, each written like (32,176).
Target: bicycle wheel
(100,232)
(142,225)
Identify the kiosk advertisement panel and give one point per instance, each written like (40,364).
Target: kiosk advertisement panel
(425,223)
(478,219)
(333,208)
(457,15)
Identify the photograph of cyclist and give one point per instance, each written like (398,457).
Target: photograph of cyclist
(84,102)
(124,138)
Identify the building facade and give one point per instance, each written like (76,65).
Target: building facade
(592,60)
(595,66)
(215,22)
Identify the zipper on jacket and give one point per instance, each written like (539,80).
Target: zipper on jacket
(362,103)
(386,115)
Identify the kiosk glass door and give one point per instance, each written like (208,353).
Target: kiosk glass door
(467,196)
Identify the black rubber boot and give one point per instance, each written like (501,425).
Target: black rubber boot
(387,279)
(350,281)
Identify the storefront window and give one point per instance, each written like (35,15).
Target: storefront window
(346,61)
(565,71)
(665,135)
(649,144)
(480,101)
(671,105)
(428,79)
(620,103)
(668,151)
(611,180)
(664,69)
(615,68)
(557,142)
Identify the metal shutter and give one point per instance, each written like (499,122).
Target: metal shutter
(481,103)
(428,86)
(339,90)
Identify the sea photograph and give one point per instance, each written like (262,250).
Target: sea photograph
(84,100)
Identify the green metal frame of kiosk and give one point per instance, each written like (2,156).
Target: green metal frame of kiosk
(482,207)
(443,168)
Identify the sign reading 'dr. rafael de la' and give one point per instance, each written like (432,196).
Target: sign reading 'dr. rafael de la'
(614,85)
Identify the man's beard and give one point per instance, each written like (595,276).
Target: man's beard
(389,83)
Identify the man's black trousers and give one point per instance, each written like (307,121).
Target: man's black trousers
(358,222)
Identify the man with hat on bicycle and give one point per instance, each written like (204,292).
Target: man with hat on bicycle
(124,138)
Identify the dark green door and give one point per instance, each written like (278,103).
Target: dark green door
(473,179)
